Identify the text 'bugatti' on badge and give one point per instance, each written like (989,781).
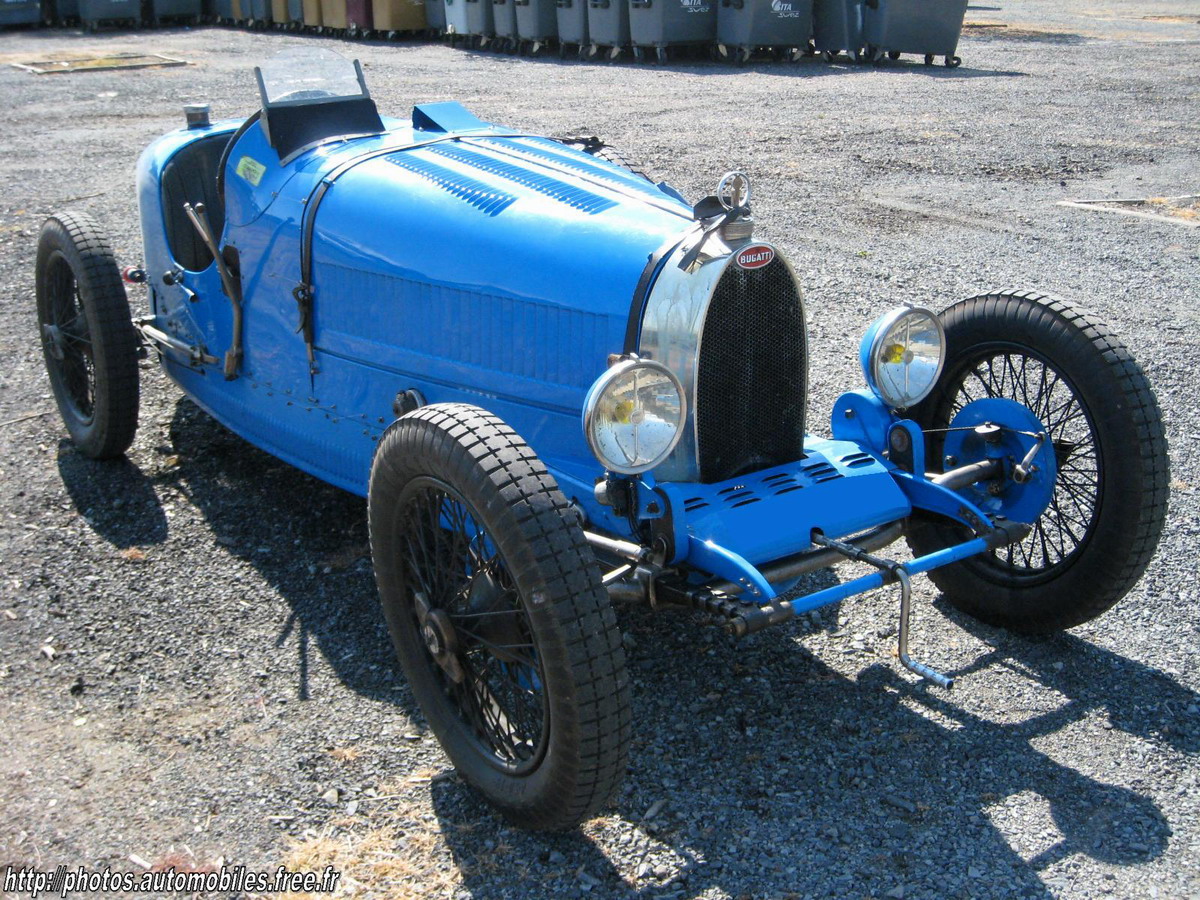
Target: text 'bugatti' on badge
(755,256)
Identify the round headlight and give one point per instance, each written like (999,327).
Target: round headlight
(634,415)
(902,355)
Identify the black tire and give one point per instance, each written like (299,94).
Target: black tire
(88,339)
(594,146)
(1110,496)
(559,750)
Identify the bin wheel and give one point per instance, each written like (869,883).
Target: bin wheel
(614,54)
(660,54)
(893,54)
(592,51)
(929,59)
(810,49)
(639,54)
(953,62)
(829,55)
(742,56)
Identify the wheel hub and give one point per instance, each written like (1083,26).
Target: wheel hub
(433,640)
(997,428)
(55,336)
(441,640)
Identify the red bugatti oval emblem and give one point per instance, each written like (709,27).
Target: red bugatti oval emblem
(755,256)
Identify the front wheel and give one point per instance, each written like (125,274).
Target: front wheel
(88,340)
(1100,417)
(498,615)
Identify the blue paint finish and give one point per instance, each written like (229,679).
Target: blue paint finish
(875,580)
(171,303)
(916,438)
(1018,502)
(485,198)
(863,418)
(487,269)
(924,494)
(538,180)
(724,563)
(838,488)
(551,152)
(444,117)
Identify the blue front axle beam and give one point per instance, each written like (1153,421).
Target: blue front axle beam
(746,619)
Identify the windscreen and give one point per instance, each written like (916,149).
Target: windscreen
(303,75)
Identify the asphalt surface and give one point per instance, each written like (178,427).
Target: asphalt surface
(193,665)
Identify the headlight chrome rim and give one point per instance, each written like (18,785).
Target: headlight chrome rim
(872,348)
(592,405)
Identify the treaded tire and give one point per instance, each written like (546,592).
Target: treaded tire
(545,581)
(1130,484)
(95,372)
(594,146)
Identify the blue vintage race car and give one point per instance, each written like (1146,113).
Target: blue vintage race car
(530,358)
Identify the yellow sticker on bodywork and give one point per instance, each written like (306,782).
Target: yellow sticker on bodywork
(251,170)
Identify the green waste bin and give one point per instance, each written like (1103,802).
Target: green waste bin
(927,28)
(661,24)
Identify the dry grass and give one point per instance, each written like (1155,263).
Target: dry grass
(1179,207)
(403,862)
(399,849)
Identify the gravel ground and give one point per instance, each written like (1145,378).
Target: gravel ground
(193,666)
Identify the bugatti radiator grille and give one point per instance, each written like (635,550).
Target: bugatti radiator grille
(750,383)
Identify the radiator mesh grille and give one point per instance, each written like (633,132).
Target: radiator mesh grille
(750,382)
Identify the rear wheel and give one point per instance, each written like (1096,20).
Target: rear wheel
(498,616)
(88,340)
(1101,417)
(594,146)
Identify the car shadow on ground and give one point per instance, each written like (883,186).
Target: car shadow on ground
(308,541)
(115,497)
(894,783)
(822,784)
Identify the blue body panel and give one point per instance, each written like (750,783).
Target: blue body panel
(519,317)
(837,489)
(475,265)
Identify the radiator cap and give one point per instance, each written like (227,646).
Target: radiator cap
(197,115)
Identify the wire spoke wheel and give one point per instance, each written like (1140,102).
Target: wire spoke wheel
(494,679)
(1108,503)
(65,331)
(88,340)
(1014,373)
(498,616)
